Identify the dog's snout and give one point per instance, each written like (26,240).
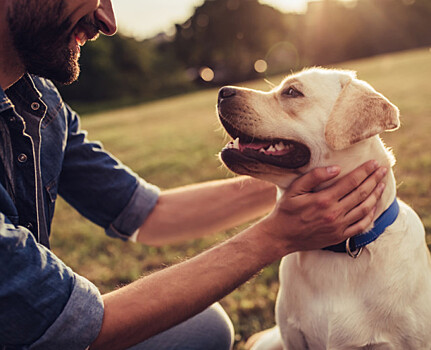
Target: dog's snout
(226,92)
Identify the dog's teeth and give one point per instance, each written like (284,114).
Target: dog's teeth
(236,143)
(271,149)
(261,150)
(279,146)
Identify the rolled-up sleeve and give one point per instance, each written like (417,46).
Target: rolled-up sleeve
(137,210)
(102,188)
(40,297)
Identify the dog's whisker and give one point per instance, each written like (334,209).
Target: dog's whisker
(270,83)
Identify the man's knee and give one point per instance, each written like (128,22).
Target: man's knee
(209,330)
(219,331)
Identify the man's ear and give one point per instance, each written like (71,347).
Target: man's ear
(359,113)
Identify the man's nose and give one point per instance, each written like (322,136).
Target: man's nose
(105,18)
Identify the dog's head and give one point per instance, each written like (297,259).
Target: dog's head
(303,123)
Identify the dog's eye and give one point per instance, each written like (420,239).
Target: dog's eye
(291,92)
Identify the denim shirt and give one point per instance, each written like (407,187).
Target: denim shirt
(43,152)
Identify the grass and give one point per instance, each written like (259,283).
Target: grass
(174,141)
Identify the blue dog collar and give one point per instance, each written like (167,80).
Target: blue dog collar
(353,246)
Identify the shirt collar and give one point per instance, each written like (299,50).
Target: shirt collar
(5,103)
(24,87)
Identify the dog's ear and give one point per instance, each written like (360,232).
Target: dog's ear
(359,113)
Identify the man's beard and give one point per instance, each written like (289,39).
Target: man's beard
(42,41)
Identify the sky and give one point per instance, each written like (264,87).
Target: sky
(146,18)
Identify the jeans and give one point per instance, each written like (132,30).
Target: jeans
(209,330)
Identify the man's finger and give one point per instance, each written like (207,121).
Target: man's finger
(352,180)
(360,226)
(306,183)
(361,193)
(367,206)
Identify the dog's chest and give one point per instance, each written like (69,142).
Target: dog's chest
(320,300)
(333,300)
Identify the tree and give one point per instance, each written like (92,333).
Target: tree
(229,36)
(125,70)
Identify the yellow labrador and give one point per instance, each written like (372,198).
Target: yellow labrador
(327,298)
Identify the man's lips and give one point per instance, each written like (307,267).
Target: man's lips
(80,38)
(85,30)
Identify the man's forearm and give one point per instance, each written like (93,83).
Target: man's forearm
(201,209)
(301,220)
(166,298)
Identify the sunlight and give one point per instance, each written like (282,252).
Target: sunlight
(145,18)
(287,5)
(299,6)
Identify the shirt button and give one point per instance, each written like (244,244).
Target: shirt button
(12,119)
(22,158)
(35,106)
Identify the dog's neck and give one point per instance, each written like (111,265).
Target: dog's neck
(360,153)
(364,151)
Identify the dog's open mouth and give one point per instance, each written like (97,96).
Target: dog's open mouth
(277,152)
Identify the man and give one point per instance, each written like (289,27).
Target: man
(45,305)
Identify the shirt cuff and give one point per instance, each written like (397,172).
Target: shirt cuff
(79,323)
(136,211)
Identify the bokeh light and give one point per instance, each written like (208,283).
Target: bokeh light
(260,66)
(282,57)
(207,74)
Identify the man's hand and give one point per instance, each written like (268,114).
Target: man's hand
(307,220)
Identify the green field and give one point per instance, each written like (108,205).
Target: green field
(175,141)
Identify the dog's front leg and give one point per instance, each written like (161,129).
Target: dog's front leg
(294,339)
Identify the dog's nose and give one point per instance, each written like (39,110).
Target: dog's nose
(226,92)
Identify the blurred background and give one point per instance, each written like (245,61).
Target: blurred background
(149,94)
(169,47)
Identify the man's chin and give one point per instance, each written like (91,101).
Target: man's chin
(67,79)
(65,72)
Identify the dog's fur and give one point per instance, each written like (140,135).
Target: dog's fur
(327,300)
